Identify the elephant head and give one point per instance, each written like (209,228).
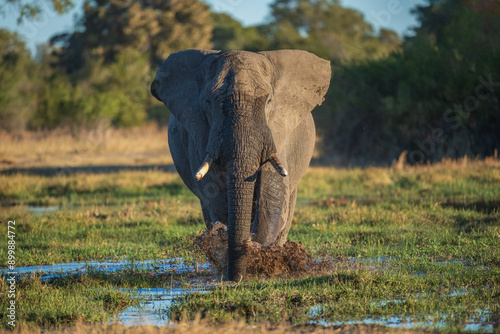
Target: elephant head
(239,107)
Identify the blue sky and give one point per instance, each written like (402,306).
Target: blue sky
(393,14)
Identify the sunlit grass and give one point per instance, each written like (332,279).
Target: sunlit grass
(98,146)
(85,189)
(414,236)
(49,305)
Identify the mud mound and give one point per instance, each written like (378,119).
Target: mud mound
(291,259)
(288,260)
(213,243)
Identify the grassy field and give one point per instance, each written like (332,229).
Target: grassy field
(71,148)
(418,243)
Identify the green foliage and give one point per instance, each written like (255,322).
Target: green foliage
(431,99)
(18,74)
(101,73)
(229,34)
(329,30)
(120,91)
(386,97)
(33,9)
(55,103)
(115,94)
(107,29)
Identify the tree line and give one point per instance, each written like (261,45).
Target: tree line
(433,94)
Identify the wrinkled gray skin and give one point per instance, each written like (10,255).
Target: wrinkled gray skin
(240,107)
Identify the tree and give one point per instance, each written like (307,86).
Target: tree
(154,27)
(33,9)
(434,99)
(329,30)
(18,75)
(110,56)
(229,34)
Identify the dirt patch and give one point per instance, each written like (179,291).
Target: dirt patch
(213,243)
(288,260)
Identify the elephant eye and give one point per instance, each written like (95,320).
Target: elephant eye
(269,100)
(208,102)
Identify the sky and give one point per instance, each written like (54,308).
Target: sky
(392,14)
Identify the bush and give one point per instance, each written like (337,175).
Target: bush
(412,100)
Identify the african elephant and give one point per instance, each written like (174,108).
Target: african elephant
(242,135)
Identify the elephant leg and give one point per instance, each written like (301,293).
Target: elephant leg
(301,144)
(207,217)
(270,206)
(282,236)
(277,196)
(210,190)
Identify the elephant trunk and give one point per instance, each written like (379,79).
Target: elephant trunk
(243,155)
(240,194)
(247,145)
(243,152)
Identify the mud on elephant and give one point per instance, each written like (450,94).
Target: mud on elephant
(242,135)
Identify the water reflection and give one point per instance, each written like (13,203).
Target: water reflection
(154,310)
(479,322)
(169,266)
(42,209)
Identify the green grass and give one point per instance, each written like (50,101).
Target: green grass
(354,295)
(49,304)
(135,231)
(436,227)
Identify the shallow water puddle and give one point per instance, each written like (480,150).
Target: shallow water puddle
(172,265)
(478,323)
(168,266)
(155,302)
(454,293)
(154,309)
(42,209)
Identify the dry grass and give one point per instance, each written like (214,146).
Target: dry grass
(235,327)
(447,164)
(84,182)
(148,145)
(102,146)
(443,171)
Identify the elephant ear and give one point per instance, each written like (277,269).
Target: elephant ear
(180,80)
(300,84)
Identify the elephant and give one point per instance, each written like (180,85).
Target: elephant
(241,135)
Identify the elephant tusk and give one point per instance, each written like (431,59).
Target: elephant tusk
(277,165)
(205,166)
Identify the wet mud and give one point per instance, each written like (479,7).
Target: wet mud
(213,244)
(288,260)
